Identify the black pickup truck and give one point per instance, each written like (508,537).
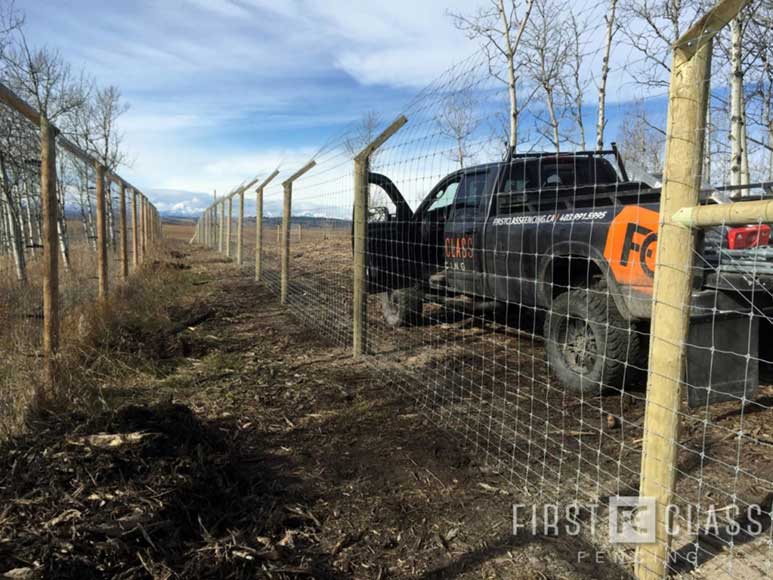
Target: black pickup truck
(573,237)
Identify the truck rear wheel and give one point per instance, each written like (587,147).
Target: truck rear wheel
(402,307)
(588,343)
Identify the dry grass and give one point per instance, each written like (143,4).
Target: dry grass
(100,343)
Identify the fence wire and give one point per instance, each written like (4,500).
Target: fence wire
(21,256)
(510,297)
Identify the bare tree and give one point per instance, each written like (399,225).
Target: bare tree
(546,55)
(651,27)
(41,77)
(107,107)
(641,141)
(573,82)
(458,120)
(739,160)
(500,26)
(10,22)
(363,132)
(611,29)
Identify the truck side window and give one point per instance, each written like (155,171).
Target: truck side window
(380,207)
(471,190)
(516,179)
(445,197)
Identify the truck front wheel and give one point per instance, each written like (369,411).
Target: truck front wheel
(588,343)
(402,307)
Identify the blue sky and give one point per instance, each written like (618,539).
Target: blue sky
(221,90)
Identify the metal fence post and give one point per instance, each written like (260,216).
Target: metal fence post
(287,185)
(101,230)
(359,296)
(259,224)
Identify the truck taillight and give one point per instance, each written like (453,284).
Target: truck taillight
(748,237)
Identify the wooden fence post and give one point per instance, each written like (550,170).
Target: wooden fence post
(101,230)
(259,224)
(685,132)
(50,209)
(359,296)
(221,224)
(240,230)
(286,216)
(124,233)
(144,230)
(135,232)
(229,218)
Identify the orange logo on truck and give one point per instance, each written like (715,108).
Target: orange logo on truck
(631,246)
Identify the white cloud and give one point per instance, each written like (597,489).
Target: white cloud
(222,90)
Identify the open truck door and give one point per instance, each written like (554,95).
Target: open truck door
(392,234)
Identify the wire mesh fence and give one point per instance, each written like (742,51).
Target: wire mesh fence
(54,249)
(556,307)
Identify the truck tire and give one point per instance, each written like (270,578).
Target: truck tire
(588,343)
(402,307)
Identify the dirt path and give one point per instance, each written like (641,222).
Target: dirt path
(263,452)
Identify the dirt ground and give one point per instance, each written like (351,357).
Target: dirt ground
(259,451)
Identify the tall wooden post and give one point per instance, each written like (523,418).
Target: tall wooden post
(286,216)
(685,133)
(359,296)
(229,219)
(240,230)
(285,243)
(101,230)
(135,231)
(221,234)
(259,224)
(258,233)
(124,233)
(50,209)
(143,229)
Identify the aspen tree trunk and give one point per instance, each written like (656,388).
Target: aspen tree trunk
(767,115)
(110,215)
(3,235)
(61,228)
(736,104)
(28,226)
(91,229)
(553,119)
(14,230)
(511,84)
(707,146)
(745,177)
(602,121)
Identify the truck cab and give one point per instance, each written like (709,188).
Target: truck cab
(570,236)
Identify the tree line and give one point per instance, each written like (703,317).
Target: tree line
(84,112)
(555,60)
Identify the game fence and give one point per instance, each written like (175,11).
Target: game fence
(68,231)
(594,329)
